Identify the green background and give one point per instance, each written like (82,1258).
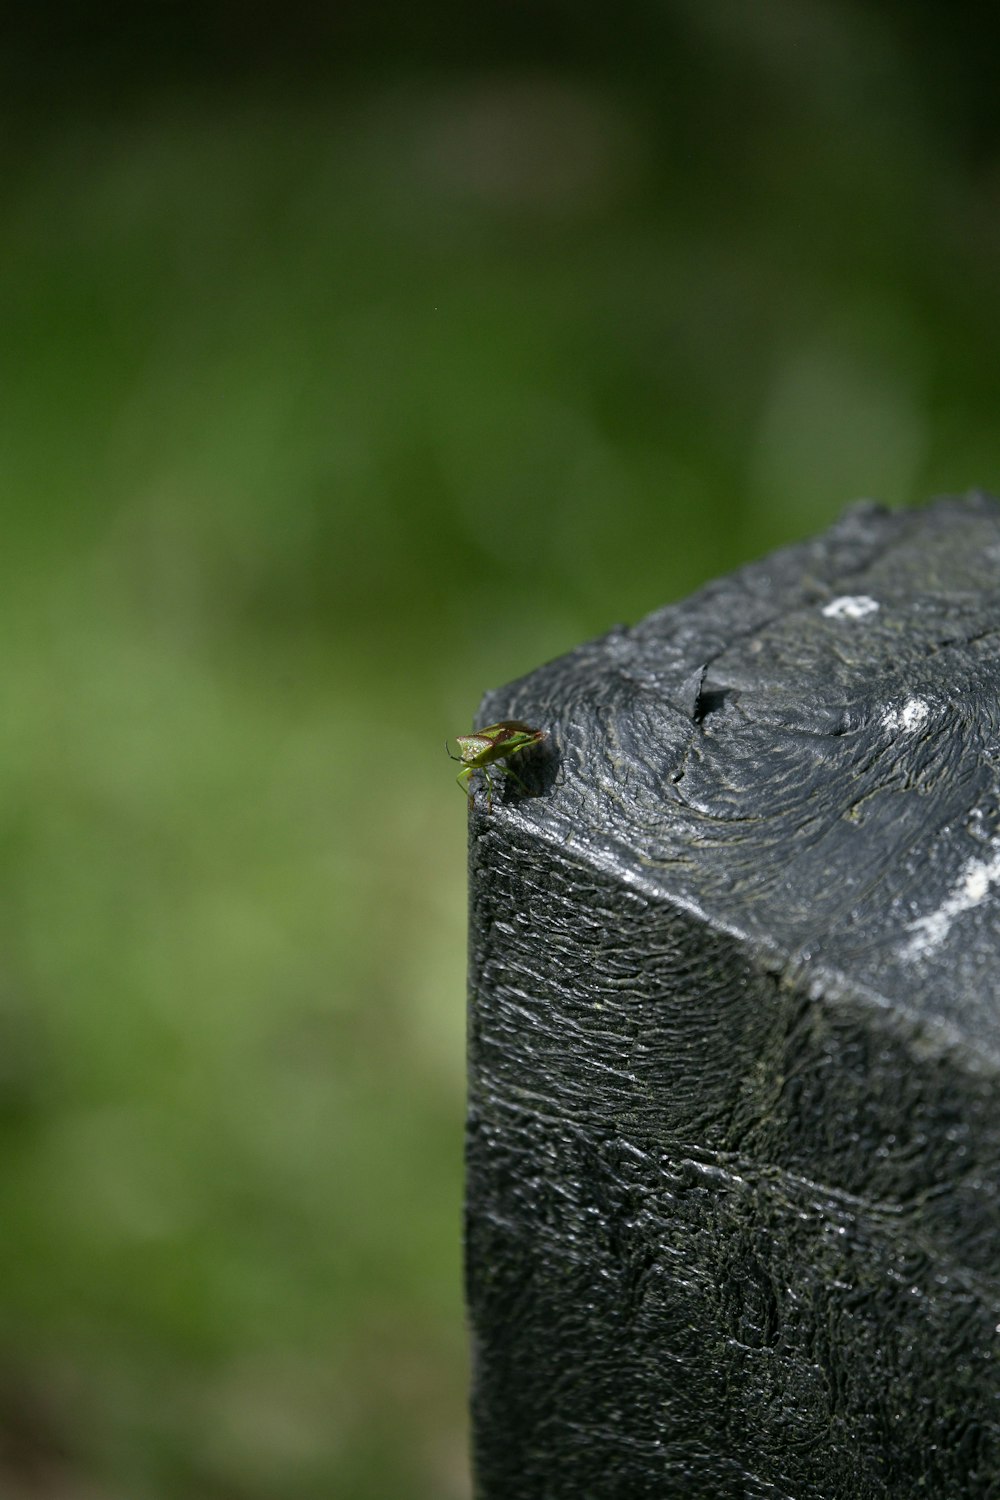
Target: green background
(352,364)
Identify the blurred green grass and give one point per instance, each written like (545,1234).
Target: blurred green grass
(322,415)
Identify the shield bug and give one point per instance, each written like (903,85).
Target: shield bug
(490,747)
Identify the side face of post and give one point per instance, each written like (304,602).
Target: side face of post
(680,1281)
(733,1216)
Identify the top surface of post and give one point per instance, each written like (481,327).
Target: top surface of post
(807,754)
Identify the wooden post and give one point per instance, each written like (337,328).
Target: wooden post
(734,1115)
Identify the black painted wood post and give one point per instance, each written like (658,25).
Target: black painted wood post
(734,1118)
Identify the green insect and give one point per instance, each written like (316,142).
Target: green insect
(488,747)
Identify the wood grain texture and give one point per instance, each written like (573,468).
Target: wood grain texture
(733,1216)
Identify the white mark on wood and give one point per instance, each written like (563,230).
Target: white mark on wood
(977,879)
(910,716)
(850,607)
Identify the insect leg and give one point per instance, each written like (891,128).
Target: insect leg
(464,779)
(509,771)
